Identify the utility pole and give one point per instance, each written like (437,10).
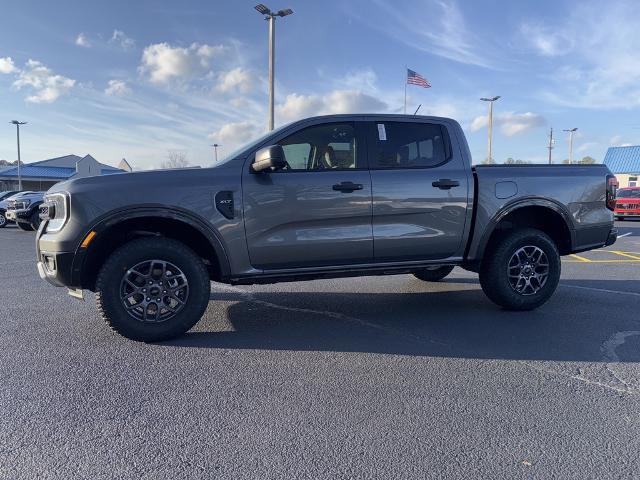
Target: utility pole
(215,150)
(550,147)
(271,17)
(17,124)
(490,132)
(570,130)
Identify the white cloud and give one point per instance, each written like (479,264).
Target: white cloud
(298,106)
(120,38)
(47,86)
(7,65)
(234,134)
(236,79)
(510,123)
(547,41)
(437,27)
(602,71)
(164,63)
(83,41)
(117,88)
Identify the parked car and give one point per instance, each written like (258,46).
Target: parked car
(331,196)
(24,209)
(4,201)
(627,203)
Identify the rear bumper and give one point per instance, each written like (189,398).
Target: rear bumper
(613,236)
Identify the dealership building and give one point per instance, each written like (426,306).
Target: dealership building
(40,176)
(624,163)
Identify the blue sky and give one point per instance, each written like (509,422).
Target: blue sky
(136,79)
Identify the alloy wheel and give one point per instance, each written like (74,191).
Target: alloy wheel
(154,291)
(528,270)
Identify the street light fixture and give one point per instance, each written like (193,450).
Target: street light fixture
(271,17)
(490,100)
(215,150)
(17,124)
(570,130)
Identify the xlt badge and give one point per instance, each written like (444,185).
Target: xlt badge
(224,203)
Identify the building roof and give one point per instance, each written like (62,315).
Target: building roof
(59,168)
(623,159)
(36,171)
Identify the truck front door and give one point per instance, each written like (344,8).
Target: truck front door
(317,210)
(420,191)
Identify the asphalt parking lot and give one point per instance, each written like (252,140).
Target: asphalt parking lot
(385,377)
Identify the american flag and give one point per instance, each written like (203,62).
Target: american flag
(414,78)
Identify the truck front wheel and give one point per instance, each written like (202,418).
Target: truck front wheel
(522,270)
(152,289)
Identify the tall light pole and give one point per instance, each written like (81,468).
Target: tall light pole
(215,150)
(17,124)
(570,130)
(490,100)
(271,17)
(551,143)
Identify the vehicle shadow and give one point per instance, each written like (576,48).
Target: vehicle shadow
(572,326)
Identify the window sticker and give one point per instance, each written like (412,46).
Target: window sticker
(382,133)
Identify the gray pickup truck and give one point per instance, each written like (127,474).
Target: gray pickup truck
(330,196)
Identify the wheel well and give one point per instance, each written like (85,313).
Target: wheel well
(541,218)
(122,232)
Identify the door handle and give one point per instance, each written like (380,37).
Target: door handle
(445,184)
(347,187)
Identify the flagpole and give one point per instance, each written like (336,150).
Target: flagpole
(405,89)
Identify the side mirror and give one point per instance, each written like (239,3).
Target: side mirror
(269,158)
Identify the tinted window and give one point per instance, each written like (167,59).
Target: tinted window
(628,193)
(408,145)
(321,147)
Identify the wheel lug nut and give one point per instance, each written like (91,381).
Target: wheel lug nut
(164,291)
(157,299)
(148,299)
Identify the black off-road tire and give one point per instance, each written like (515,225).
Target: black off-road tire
(494,277)
(3,220)
(110,277)
(25,227)
(433,274)
(35,220)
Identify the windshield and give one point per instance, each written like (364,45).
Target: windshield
(251,143)
(629,193)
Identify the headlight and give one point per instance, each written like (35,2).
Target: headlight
(56,210)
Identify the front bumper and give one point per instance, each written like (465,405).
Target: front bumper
(18,215)
(627,213)
(56,268)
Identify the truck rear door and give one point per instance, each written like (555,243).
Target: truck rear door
(420,191)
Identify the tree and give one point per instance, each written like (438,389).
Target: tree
(488,161)
(7,163)
(175,159)
(585,161)
(512,161)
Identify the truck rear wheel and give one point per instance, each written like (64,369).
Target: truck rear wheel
(522,270)
(152,289)
(433,274)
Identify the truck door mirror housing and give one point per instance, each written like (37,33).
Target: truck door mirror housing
(269,158)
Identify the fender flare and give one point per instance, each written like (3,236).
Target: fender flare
(517,205)
(114,217)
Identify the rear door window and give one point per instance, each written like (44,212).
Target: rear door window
(408,145)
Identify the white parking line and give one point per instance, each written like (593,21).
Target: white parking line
(625,234)
(603,290)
